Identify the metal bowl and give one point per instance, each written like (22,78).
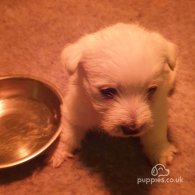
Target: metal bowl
(30,118)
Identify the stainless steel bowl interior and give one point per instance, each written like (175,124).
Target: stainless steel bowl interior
(30,118)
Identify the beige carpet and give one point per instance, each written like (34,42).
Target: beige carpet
(32,34)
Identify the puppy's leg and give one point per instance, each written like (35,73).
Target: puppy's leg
(155,141)
(70,139)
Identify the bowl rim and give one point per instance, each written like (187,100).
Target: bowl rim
(54,89)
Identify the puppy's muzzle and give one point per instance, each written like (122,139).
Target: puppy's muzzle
(131,130)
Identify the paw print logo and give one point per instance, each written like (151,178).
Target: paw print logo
(159,170)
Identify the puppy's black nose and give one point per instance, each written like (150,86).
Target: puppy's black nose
(129,130)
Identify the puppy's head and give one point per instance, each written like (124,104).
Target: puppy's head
(122,70)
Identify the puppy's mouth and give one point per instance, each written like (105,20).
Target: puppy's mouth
(125,132)
(129,132)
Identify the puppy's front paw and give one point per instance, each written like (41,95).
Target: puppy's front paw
(69,141)
(167,154)
(163,154)
(58,157)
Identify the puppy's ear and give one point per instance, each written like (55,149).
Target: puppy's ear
(70,57)
(171,54)
(167,49)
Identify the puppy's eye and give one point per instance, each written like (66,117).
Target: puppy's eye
(151,91)
(108,93)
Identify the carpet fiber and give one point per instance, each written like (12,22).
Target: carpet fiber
(32,35)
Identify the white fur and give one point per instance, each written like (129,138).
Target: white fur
(130,59)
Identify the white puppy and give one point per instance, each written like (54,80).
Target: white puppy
(119,80)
